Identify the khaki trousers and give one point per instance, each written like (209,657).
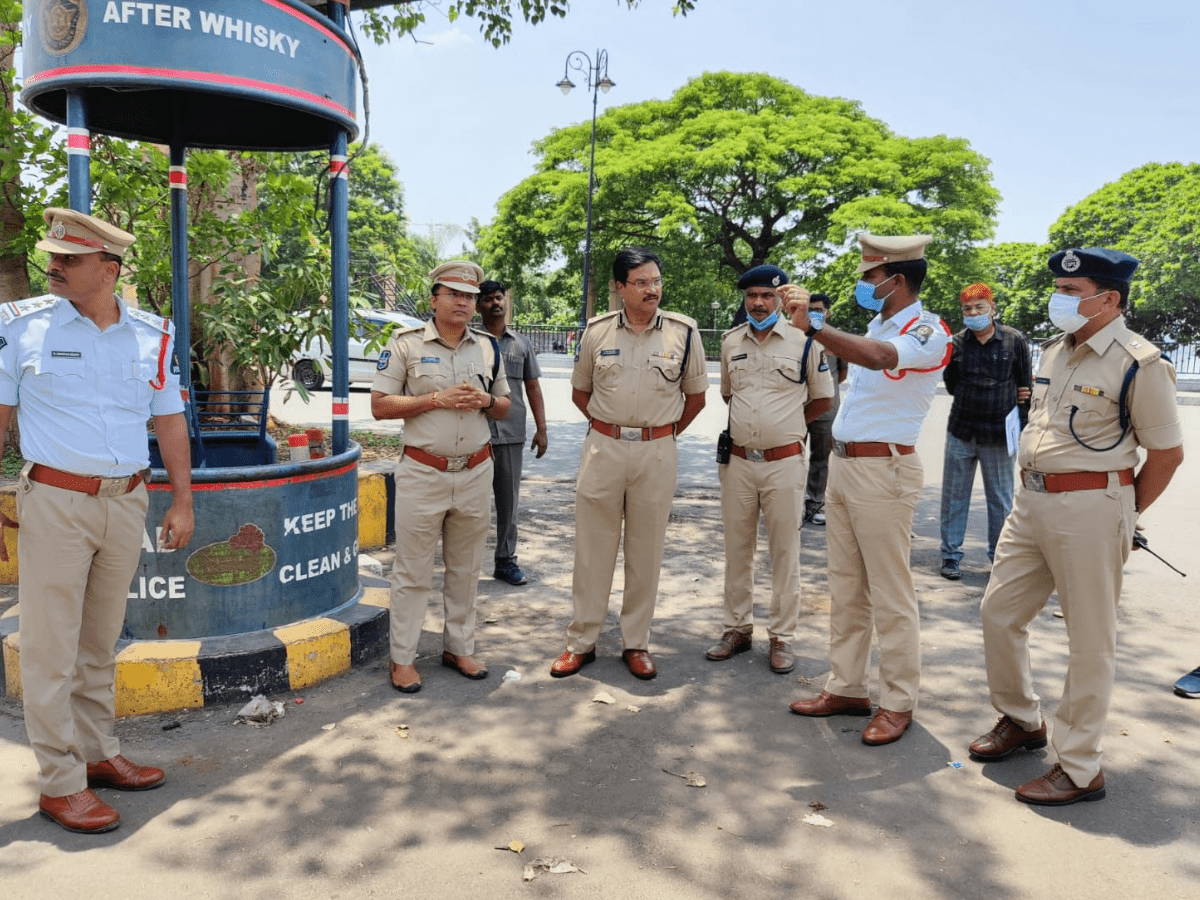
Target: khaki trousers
(455,506)
(776,489)
(77,556)
(869,506)
(620,482)
(1074,542)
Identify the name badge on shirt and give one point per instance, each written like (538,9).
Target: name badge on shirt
(739,356)
(431,359)
(616,352)
(66,354)
(1041,380)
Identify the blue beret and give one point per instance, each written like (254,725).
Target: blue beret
(1095,263)
(762,276)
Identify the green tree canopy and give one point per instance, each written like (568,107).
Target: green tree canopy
(1153,213)
(735,170)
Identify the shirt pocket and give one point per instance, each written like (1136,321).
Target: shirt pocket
(787,369)
(66,378)
(1037,398)
(609,372)
(426,377)
(669,369)
(1093,413)
(739,374)
(131,384)
(514,366)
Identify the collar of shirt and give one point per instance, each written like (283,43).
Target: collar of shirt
(897,321)
(431,334)
(1114,332)
(65,312)
(623,322)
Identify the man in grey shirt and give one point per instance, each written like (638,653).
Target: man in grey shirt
(508,436)
(820,429)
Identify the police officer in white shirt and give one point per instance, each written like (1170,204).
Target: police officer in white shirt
(85,373)
(874,482)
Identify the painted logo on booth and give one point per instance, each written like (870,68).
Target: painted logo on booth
(64,23)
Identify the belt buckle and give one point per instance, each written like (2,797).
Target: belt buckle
(628,434)
(754,455)
(1034,481)
(113,487)
(839,448)
(456,463)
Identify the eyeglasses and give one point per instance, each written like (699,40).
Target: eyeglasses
(643,284)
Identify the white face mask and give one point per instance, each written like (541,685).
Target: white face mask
(1064,312)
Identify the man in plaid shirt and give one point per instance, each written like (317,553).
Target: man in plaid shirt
(989,375)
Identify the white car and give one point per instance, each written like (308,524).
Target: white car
(314,362)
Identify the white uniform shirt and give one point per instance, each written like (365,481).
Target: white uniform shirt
(83,395)
(890,406)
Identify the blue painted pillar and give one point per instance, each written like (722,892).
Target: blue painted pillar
(339,293)
(79,153)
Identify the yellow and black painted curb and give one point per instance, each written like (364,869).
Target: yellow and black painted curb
(162,676)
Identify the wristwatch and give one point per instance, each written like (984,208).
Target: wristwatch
(493,403)
(814,325)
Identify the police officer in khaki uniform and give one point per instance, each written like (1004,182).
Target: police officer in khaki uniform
(1100,393)
(85,373)
(875,479)
(775,381)
(639,378)
(445,380)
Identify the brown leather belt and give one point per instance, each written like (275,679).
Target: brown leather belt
(632,432)
(775,453)
(870,448)
(1058,482)
(92,485)
(449,463)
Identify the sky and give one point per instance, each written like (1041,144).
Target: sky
(1062,97)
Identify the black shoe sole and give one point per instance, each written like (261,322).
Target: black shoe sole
(1082,798)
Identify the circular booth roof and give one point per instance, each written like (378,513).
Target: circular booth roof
(231,74)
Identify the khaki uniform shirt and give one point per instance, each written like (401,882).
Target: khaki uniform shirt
(1088,378)
(638,380)
(417,361)
(769,382)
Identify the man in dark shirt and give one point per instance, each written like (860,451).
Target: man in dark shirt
(989,376)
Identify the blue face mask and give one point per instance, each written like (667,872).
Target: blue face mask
(765,323)
(864,294)
(979,322)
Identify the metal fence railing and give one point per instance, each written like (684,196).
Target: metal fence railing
(553,339)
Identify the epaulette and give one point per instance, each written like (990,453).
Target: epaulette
(1141,349)
(406,329)
(736,329)
(678,317)
(607,315)
(10,312)
(157,322)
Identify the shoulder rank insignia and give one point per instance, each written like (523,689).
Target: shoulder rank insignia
(10,312)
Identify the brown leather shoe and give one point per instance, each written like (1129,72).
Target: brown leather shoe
(570,663)
(124,775)
(1006,739)
(405,678)
(732,643)
(640,663)
(1056,788)
(828,704)
(465,665)
(887,727)
(82,812)
(781,659)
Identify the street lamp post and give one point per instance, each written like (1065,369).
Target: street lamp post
(716,304)
(596,79)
